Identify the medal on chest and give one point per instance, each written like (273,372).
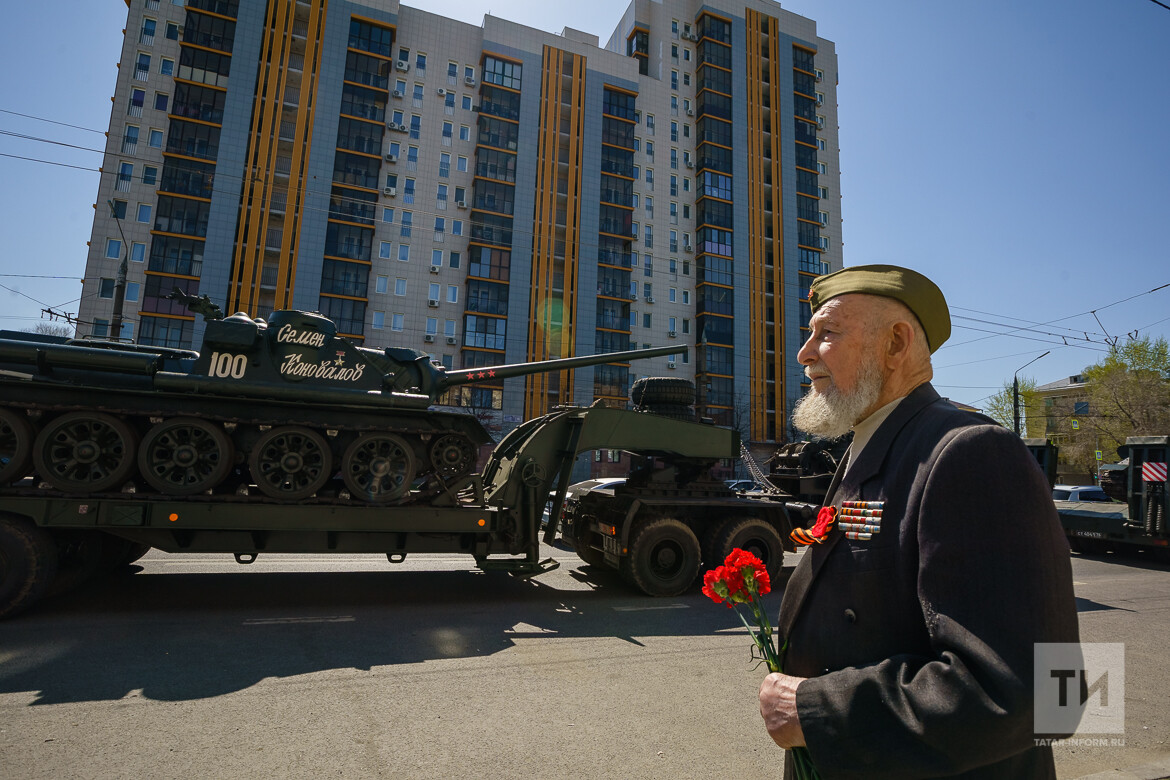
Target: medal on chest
(860,519)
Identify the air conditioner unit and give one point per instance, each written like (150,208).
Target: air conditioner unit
(429,338)
(391,158)
(820,101)
(461,204)
(451,340)
(690,112)
(441,91)
(475,109)
(433,303)
(821,122)
(401,67)
(672,333)
(391,191)
(670,364)
(689,163)
(687,248)
(649,299)
(469,81)
(402,128)
(435,269)
(397,93)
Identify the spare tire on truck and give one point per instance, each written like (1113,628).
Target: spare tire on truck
(657,390)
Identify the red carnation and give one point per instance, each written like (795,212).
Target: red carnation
(825,519)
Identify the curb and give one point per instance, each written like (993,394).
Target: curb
(1159,770)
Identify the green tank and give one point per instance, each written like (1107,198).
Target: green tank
(281,409)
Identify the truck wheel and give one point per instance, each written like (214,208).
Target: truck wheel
(663,558)
(662,390)
(759,538)
(28,563)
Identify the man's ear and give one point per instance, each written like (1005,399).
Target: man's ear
(900,339)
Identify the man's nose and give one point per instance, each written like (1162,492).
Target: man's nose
(807,355)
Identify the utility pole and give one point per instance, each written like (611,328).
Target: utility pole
(1016,391)
(120,281)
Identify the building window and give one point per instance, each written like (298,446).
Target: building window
(397,321)
(155,139)
(149,174)
(161,101)
(106,288)
(138,252)
(435,291)
(464,133)
(452,294)
(400,286)
(379,320)
(113,248)
(132,289)
(381,284)
(166,67)
(143,212)
(384,250)
(403,253)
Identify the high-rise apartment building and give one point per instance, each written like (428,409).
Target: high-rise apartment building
(488,194)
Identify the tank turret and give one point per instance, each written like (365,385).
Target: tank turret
(281,409)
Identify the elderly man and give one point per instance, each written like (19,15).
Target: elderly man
(907,629)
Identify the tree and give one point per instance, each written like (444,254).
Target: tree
(1129,391)
(999,406)
(51,329)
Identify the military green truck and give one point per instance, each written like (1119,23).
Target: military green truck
(282,436)
(1137,522)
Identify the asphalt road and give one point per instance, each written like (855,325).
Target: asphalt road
(348,666)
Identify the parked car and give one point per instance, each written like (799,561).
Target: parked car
(1080,493)
(742,485)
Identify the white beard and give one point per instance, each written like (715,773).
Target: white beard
(831,414)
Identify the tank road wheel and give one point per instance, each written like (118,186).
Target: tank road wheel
(85,452)
(663,557)
(16,443)
(378,467)
(290,462)
(757,537)
(452,455)
(28,563)
(185,456)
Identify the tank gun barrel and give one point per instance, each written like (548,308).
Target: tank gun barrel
(468,375)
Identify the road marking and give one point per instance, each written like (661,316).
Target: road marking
(648,609)
(298,620)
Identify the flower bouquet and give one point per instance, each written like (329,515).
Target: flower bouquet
(743,579)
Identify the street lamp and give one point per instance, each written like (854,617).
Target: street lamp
(1016,391)
(120,282)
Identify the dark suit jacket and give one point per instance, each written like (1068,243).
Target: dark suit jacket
(919,641)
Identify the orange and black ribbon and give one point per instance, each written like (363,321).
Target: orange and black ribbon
(815,535)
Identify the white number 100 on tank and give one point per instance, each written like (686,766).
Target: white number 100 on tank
(225,364)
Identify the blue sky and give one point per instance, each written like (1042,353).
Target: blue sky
(1016,151)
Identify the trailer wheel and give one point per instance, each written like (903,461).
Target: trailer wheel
(759,538)
(16,438)
(28,563)
(664,557)
(290,462)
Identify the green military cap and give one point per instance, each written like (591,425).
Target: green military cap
(920,295)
